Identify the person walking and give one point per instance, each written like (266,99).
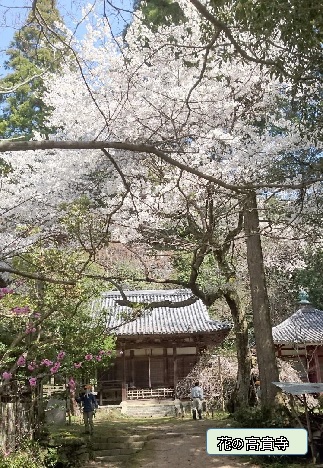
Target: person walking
(89,404)
(197,397)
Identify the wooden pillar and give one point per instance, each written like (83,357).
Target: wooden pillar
(317,365)
(311,365)
(175,366)
(124,378)
(124,369)
(132,366)
(166,376)
(149,374)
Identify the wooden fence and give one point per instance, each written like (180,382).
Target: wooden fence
(146,393)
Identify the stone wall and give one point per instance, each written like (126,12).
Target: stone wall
(148,408)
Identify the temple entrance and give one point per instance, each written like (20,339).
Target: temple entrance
(141,372)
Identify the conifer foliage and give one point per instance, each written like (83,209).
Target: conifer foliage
(36,48)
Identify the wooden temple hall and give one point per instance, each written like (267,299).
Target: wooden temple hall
(299,340)
(157,349)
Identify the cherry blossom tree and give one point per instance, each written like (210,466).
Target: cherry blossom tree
(184,114)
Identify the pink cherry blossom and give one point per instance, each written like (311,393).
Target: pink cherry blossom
(88,357)
(77,365)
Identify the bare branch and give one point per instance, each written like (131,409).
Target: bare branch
(219,25)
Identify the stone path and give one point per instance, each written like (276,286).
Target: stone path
(177,445)
(185,447)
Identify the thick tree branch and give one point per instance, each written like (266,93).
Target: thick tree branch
(34,276)
(6,145)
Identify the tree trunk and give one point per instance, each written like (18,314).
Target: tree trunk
(268,371)
(241,396)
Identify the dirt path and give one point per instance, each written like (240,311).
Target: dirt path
(184,446)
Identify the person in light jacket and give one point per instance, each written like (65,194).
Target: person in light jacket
(197,397)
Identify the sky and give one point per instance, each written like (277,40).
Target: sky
(13,14)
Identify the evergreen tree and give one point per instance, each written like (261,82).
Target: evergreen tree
(310,277)
(36,48)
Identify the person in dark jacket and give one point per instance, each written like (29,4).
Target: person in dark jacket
(89,405)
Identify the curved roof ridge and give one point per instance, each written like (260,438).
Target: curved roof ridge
(305,325)
(192,318)
(143,292)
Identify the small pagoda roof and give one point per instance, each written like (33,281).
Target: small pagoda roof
(304,326)
(188,319)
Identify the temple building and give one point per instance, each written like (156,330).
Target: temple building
(299,339)
(155,347)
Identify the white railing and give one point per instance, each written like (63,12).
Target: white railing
(49,389)
(146,393)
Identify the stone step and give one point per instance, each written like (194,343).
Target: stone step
(115,452)
(111,458)
(137,444)
(107,464)
(119,438)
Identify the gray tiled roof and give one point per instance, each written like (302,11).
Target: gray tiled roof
(304,326)
(163,320)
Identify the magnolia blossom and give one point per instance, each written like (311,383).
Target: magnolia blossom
(72,384)
(21,361)
(32,366)
(6,375)
(55,368)
(61,355)
(32,381)
(21,310)
(5,291)
(46,362)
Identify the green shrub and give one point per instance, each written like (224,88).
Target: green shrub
(264,417)
(29,455)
